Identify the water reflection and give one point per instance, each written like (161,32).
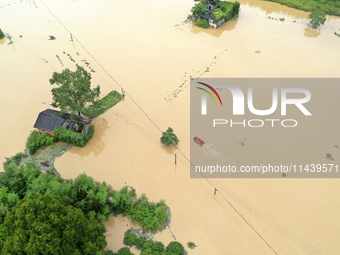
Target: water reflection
(169,150)
(312,32)
(227,26)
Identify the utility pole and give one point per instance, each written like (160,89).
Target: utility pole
(176,158)
(9,38)
(123,93)
(71,37)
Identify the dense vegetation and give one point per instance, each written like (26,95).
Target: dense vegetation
(100,106)
(1,34)
(36,140)
(45,225)
(69,136)
(24,185)
(331,7)
(149,247)
(169,137)
(226,10)
(203,23)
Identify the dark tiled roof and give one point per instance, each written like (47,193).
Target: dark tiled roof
(48,120)
(208,15)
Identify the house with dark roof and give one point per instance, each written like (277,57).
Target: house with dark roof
(209,15)
(49,119)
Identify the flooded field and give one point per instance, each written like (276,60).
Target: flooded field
(149,49)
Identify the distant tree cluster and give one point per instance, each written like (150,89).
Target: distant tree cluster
(149,247)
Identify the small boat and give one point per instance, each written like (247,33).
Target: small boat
(199,141)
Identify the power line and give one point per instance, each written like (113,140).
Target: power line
(75,38)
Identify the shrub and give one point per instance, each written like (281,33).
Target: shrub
(14,159)
(122,201)
(148,215)
(203,23)
(124,251)
(147,244)
(169,137)
(1,34)
(129,239)
(191,245)
(140,242)
(36,141)
(236,7)
(158,247)
(197,10)
(175,247)
(69,136)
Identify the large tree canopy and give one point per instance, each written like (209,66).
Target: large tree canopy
(73,91)
(45,225)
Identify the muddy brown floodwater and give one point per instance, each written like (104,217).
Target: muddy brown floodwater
(149,49)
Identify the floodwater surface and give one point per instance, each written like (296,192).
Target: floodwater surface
(152,52)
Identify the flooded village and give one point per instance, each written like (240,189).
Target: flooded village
(151,51)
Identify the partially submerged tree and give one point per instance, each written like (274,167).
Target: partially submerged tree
(317,18)
(73,91)
(1,34)
(169,137)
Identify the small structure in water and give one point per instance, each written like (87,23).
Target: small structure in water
(210,16)
(217,12)
(199,141)
(49,119)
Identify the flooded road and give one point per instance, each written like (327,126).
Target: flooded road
(149,49)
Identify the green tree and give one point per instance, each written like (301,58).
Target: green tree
(17,178)
(73,91)
(169,137)
(129,238)
(124,251)
(175,248)
(45,225)
(317,18)
(1,34)
(197,10)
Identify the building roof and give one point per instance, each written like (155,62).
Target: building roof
(50,119)
(208,15)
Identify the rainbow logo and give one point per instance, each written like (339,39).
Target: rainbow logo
(212,89)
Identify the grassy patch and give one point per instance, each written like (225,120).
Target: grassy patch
(329,7)
(103,104)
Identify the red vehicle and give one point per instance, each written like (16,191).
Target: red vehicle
(199,141)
